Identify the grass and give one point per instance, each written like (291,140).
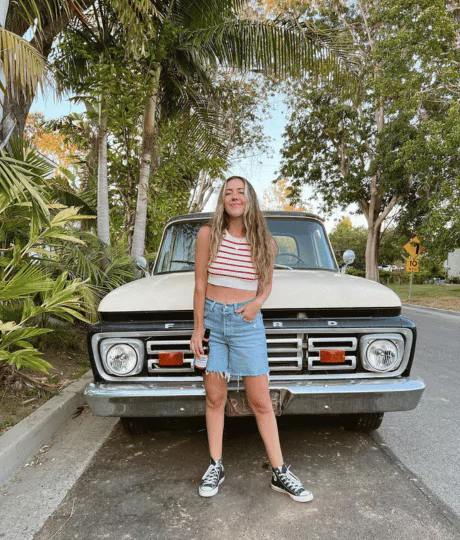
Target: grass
(438,296)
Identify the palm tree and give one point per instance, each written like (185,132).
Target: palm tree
(95,31)
(87,62)
(193,37)
(23,64)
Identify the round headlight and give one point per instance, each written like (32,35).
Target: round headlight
(382,355)
(121,359)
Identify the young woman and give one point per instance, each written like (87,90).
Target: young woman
(234,263)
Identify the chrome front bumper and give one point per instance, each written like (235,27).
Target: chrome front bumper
(296,397)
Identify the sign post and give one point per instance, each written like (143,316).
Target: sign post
(414,249)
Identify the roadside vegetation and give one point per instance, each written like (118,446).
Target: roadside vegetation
(436,296)
(66,352)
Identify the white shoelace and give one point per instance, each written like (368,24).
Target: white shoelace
(291,480)
(211,476)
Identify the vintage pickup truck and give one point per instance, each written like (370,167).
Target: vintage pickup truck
(337,344)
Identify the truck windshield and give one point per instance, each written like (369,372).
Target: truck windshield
(302,245)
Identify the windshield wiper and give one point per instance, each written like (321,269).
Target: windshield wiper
(283,266)
(180,261)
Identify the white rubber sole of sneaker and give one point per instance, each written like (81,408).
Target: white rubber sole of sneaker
(211,492)
(307,498)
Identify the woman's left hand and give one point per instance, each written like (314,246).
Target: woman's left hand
(249,311)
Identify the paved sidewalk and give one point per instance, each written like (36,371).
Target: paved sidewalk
(147,488)
(37,489)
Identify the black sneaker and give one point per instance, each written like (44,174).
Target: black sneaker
(212,479)
(286,482)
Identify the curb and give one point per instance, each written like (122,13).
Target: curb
(435,310)
(23,440)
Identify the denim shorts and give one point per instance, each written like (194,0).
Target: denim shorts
(236,347)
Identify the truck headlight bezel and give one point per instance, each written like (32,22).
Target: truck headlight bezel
(135,344)
(393,340)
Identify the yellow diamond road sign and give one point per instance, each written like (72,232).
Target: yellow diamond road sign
(414,248)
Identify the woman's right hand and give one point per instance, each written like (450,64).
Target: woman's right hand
(196,342)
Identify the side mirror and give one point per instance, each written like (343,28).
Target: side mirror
(348,258)
(141,264)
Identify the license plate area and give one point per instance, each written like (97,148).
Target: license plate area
(238,404)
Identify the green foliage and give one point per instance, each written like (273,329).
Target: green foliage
(102,267)
(355,272)
(400,133)
(36,282)
(345,237)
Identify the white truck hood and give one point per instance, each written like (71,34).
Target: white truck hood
(291,289)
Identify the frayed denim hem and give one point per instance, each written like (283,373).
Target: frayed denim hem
(226,375)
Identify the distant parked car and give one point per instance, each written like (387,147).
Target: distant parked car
(387,268)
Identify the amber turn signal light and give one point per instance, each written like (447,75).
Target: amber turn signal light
(170,358)
(332,356)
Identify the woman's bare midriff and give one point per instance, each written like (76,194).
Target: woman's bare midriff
(228,295)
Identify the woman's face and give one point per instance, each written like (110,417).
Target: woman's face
(234,199)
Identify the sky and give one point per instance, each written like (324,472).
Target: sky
(260,170)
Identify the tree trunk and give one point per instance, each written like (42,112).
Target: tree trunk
(373,228)
(103,226)
(201,193)
(3,11)
(148,138)
(15,114)
(372,271)
(129,226)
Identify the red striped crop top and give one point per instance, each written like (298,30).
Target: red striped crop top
(233,265)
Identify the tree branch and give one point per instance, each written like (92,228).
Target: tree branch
(395,199)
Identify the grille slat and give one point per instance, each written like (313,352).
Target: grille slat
(344,343)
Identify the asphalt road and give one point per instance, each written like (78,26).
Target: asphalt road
(401,482)
(427,439)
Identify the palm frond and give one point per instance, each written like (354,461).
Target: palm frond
(20,181)
(138,19)
(24,67)
(204,122)
(197,14)
(69,198)
(36,14)
(28,280)
(282,47)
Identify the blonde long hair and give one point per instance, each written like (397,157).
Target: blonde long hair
(255,226)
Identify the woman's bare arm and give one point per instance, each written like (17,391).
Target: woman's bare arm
(202,254)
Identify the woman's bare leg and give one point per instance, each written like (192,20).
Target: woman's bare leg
(258,395)
(216,397)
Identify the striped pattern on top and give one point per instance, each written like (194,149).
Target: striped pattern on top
(233,265)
